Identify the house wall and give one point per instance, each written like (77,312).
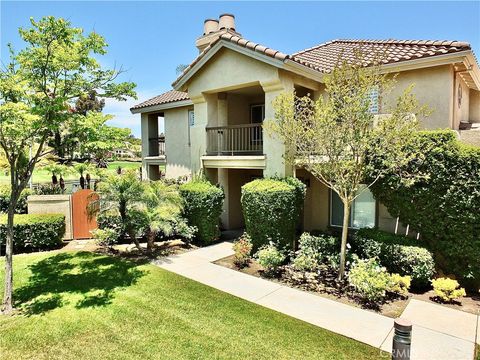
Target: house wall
(474,104)
(229,70)
(177,147)
(316,214)
(433,87)
(461,102)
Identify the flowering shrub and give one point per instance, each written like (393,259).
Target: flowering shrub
(400,284)
(369,280)
(314,251)
(447,289)
(243,249)
(270,258)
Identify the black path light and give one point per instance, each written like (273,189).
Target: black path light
(402,339)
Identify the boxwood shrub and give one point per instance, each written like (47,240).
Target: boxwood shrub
(34,232)
(22,205)
(399,254)
(443,205)
(271,208)
(202,207)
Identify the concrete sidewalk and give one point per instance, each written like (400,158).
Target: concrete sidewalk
(438,332)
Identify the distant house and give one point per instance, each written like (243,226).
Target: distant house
(213,116)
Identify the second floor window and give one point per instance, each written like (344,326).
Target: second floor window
(374,100)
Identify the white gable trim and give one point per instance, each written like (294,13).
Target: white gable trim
(224,44)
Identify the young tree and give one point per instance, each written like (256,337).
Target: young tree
(330,137)
(163,209)
(37,90)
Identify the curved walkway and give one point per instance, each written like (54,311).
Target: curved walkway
(438,332)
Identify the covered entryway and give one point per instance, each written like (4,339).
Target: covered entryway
(232,181)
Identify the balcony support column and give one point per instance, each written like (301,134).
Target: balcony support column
(205,107)
(274,148)
(149,129)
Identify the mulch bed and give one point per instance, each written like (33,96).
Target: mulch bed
(328,288)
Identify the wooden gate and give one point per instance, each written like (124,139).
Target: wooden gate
(82,224)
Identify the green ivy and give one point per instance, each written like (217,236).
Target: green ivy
(203,204)
(271,208)
(443,204)
(35,232)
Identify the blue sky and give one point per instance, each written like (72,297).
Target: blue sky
(149,39)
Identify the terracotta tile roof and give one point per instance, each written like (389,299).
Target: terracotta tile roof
(165,98)
(324,57)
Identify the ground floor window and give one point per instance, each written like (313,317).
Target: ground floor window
(362,212)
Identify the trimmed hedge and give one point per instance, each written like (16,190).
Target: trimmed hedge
(271,208)
(22,205)
(399,254)
(444,204)
(35,232)
(202,207)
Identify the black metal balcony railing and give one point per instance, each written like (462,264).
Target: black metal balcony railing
(156,146)
(244,139)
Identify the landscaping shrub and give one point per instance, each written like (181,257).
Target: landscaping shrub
(35,232)
(443,205)
(447,289)
(398,254)
(314,251)
(369,280)
(271,208)
(22,205)
(270,258)
(243,249)
(106,237)
(202,207)
(400,284)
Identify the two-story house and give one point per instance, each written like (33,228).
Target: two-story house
(213,116)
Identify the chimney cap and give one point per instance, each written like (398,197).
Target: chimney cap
(210,20)
(227,14)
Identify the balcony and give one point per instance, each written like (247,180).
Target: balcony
(156,146)
(244,139)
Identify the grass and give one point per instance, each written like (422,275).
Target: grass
(84,305)
(43,176)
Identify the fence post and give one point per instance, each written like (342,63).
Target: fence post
(402,339)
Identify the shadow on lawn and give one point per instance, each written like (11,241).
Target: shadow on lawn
(56,278)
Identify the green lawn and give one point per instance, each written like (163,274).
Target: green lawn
(43,176)
(88,306)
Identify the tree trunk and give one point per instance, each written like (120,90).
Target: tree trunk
(150,241)
(8,291)
(343,246)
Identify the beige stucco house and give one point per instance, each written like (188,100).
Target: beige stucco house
(213,117)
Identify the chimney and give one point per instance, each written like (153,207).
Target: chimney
(227,21)
(210,26)
(213,29)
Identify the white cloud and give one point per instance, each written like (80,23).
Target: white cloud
(121,110)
